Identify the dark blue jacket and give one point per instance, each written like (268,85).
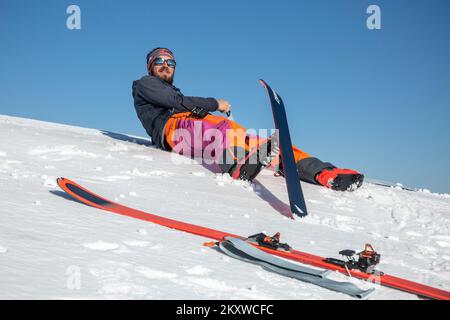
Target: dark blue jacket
(156,100)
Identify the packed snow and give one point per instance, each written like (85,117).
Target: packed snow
(53,247)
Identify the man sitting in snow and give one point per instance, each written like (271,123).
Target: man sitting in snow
(163,109)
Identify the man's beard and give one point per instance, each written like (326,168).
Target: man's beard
(169,80)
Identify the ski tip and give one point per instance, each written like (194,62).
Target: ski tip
(60,181)
(263,83)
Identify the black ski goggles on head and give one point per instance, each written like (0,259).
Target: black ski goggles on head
(170,62)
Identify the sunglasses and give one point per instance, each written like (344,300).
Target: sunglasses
(170,62)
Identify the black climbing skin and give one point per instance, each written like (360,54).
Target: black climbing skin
(88,196)
(344,182)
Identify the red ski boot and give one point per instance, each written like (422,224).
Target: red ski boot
(340,179)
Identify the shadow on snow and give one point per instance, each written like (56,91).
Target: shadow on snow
(261,190)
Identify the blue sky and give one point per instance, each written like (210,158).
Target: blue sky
(374,100)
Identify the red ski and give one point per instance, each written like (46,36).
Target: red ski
(87,197)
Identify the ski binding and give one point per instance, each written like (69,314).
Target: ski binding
(364,261)
(269,242)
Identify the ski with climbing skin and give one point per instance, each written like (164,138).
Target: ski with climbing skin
(270,245)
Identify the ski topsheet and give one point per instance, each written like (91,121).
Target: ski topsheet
(87,197)
(296,199)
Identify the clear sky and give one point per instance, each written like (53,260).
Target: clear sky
(374,100)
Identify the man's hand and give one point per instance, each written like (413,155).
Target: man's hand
(224,106)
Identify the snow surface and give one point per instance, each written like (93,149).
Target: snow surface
(52,247)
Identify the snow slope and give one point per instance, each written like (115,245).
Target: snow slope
(54,248)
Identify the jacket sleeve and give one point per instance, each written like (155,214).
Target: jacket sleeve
(164,96)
